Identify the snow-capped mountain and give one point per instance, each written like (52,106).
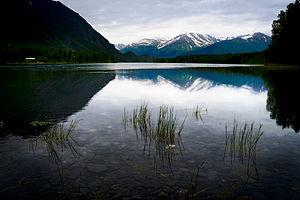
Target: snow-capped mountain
(240,44)
(188,41)
(148,42)
(194,43)
(249,37)
(120,46)
(142,42)
(175,46)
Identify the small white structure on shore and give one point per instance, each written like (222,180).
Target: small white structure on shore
(30,59)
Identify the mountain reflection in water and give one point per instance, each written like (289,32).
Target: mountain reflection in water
(87,153)
(30,95)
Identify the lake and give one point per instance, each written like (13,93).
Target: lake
(149,131)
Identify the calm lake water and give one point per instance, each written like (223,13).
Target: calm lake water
(67,131)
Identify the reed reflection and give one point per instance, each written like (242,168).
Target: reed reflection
(161,134)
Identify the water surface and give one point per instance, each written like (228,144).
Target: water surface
(107,160)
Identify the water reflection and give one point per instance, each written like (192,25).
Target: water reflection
(283,98)
(223,88)
(196,79)
(161,134)
(113,163)
(225,99)
(282,86)
(29,95)
(58,142)
(56,139)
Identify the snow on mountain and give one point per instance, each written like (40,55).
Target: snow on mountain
(248,37)
(142,43)
(147,42)
(120,46)
(256,42)
(187,41)
(195,43)
(190,41)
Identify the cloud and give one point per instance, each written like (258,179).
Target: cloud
(125,21)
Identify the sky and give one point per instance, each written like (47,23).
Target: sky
(127,21)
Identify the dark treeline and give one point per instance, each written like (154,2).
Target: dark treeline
(18,53)
(285,36)
(44,54)
(242,58)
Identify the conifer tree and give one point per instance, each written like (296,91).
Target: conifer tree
(285,46)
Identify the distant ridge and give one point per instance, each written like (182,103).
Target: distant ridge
(198,44)
(256,42)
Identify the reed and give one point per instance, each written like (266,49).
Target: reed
(167,136)
(2,132)
(192,190)
(167,128)
(241,142)
(57,139)
(163,134)
(1,124)
(125,119)
(41,124)
(198,113)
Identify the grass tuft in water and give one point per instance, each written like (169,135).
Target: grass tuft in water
(167,135)
(164,134)
(1,124)
(57,139)
(125,119)
(41,124)
(241,142)
(1,129)
(198,113)
(192,190)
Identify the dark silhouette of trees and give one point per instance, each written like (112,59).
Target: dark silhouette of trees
(239,58)
(286,36)
(18,52)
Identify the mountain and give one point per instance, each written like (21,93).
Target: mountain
(120,46)
(170,47)
(144,47)
(35,26)
(195,43)
(256,42)
(188,42)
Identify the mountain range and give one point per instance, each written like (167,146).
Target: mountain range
(197,44)
(50,31)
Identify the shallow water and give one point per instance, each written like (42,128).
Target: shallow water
(107,160)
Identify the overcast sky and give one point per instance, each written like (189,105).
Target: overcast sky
(126,21)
